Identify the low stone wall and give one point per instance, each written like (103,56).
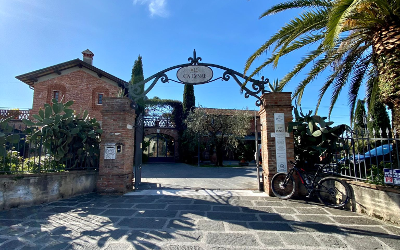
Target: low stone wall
(27,190)
(376,201)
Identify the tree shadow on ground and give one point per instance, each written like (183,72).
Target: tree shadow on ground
(161,221)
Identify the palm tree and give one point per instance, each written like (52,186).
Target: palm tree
(375,23)
(351,37)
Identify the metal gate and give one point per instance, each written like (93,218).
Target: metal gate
(139,130)
(195,73)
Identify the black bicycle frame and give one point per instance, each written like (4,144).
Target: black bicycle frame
(311,186)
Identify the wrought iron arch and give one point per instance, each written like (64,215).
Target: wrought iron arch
(135,91)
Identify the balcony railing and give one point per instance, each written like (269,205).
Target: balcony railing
(17,114)
(151,122)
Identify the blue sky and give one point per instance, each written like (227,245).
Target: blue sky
(38,34)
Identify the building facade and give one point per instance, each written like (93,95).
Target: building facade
(76,80)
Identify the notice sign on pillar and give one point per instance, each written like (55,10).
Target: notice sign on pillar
(280,142)
(109,151)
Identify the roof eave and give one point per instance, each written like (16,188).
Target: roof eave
(32,77)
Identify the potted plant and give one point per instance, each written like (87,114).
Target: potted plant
(242,160)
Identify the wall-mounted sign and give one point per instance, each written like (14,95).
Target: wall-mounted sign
(194,74)
(396,176)
(109,151)
(392,176)
(280,142)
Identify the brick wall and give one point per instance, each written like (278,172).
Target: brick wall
(77,85)
(275,102)
(116,175)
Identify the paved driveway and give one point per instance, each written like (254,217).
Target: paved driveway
(200,220)
(184,176)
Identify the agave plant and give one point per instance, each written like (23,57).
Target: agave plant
(315,137)
(274,86)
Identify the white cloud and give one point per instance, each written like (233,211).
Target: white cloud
(156,7)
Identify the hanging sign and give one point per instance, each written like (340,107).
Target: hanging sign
(194,74)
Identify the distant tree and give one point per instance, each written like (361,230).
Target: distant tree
(137,76)
(189,100)
(360,116)
(223,130)
(378,117)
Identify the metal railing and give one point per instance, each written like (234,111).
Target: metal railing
(370,158)
(28,157)
(157,122)
(18,114)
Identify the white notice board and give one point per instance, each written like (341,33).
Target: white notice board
(280,142)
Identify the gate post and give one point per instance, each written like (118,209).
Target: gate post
(117,146)
(276,105)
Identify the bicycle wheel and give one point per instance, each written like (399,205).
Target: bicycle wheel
(283,185)
(333,192)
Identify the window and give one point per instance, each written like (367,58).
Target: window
(56,95)
(100,99)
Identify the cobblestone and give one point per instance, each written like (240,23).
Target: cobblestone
(191,219)
(188,219)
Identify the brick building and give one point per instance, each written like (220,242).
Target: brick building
(76,80)
(86,85)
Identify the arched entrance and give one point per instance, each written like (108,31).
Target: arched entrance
(124,136)
(193,73)
(159,148)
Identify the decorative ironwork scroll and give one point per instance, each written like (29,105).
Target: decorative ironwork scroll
(256,90)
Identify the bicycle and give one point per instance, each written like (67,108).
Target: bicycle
(331,191)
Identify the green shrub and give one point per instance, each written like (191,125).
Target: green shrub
(314,138)
(70,139)
(10,162)
(36,164)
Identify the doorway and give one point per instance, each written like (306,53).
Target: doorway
(159,148)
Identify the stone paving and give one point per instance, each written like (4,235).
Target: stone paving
(203,219)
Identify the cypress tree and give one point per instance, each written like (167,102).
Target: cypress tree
(359,122)
(137,76)
(189,100)
(378,117)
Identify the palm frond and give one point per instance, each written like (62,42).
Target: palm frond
(306,23)
(309,22)
(346,69)
(339,14)
(310,57)
(356,80)
(295,4)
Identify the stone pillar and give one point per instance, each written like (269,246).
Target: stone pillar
(116,164)
(275,103)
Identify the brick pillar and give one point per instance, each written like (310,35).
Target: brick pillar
(275,103)
(116,175)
